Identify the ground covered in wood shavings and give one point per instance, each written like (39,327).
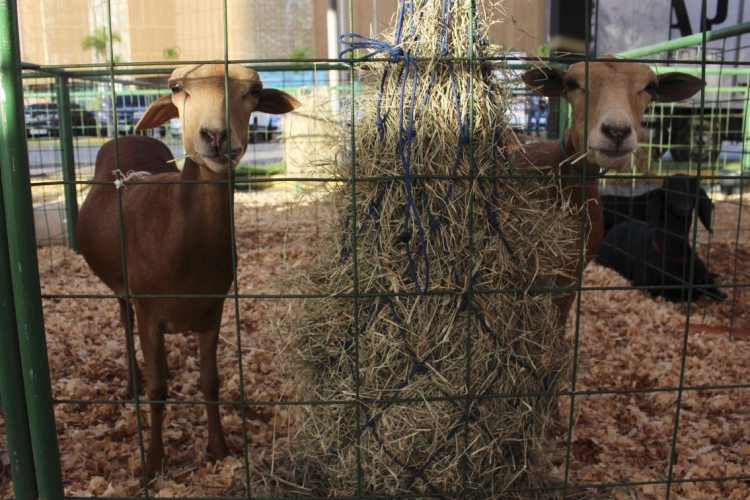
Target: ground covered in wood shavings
(627,341)
(630,342)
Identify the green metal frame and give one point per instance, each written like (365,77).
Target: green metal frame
(19,220)
(65,128)
(28,407)
(11,380)
(678,43)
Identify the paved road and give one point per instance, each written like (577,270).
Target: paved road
(44,155)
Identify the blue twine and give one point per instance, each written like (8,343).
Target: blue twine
(365,42)
(354,42)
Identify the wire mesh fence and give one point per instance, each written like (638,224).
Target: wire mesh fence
(656,404)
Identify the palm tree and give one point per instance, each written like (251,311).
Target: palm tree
(302,53)
(171,53)
(99,41)
(299,54)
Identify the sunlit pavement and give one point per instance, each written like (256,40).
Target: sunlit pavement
(45,158)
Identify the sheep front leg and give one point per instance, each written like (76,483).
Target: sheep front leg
(564,302)
(152,345)
(128,326)
(208,340)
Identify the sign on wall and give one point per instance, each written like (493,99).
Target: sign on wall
(619,26)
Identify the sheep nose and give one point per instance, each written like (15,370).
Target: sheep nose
(214,138)
(616,133)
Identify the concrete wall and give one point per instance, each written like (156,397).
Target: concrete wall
(52,30)
(524,28)
(149,33)
(526,34)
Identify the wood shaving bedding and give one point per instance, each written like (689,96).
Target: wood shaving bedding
(630,341)
(627,341)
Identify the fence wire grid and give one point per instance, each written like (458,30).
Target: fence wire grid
(658,400)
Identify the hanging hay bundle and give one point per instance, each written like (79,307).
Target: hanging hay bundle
(441,370)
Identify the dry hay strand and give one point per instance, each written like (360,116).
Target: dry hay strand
(450,390)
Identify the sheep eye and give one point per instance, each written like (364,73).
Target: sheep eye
(176,88)
(255,91)
(571,85)
(650,87)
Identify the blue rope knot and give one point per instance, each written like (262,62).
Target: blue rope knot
(405,237)
(380,123)
(419,366)
(493,222)
(373,208)
(464,137)
(354,42)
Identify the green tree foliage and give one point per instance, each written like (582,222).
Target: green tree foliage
(302,53)
(171,53)
(299,54)
(99,42)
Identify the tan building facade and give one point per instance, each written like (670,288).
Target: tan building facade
(520,25)
(52,30)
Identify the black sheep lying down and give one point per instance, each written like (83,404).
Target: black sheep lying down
(617,209)
(658,254)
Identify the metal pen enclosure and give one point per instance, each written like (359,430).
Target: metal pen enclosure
(29,414)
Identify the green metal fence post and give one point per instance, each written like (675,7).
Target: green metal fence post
(563,116)
(746,133)
(65,126)
(14,168)
(11,381)
(678,43)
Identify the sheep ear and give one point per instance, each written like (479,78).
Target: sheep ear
(160,112)
(656,208)
(705,210)
(677,86)
(546,81)
(276,102)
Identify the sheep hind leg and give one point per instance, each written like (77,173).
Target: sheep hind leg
(129,342)
(208,340)
(152,345)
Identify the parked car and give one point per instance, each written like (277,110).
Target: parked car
(42,120)
(175,127)
(130,109)
(264,127)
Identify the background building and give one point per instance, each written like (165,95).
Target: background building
(52,30)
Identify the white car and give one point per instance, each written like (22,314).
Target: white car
(262,126)
(175,127)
